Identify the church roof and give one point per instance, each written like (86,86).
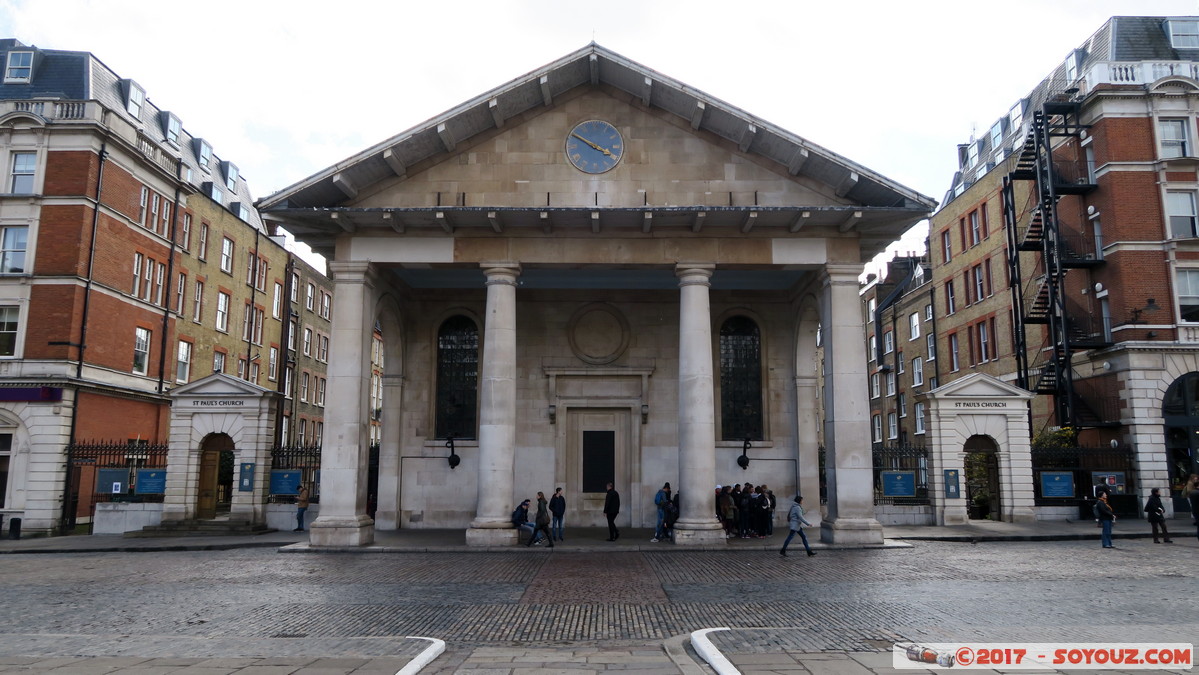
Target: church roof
(897,207)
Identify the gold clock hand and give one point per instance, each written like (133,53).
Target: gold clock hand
(593,145)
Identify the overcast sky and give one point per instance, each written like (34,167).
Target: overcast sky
(286,88)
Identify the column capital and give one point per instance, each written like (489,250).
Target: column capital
(694,273)
(501,272)
(353,271)
(842,273)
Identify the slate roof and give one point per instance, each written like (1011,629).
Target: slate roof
(1119,39)
(80,76)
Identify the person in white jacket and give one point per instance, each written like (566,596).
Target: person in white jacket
(796,520)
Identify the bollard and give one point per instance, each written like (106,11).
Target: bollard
(14,528)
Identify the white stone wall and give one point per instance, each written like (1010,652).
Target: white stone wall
(432,496)
(888,514)
(118,518)
(40,434)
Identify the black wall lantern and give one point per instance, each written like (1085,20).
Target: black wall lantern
(453,459)
(743,460)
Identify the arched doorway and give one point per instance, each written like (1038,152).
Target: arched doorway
(215,488)
(1180,412)
(982,479)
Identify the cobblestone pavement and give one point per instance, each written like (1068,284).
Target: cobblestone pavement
(259,611)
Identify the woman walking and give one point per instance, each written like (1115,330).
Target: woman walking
(796,521)
(542,524)
(1157,515)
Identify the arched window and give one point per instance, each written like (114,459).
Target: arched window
(740,380)
(457,378)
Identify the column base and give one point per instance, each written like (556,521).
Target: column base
(699,534)
(852,531)
(490,536)
(1020,514)
(341,531)
(952,515)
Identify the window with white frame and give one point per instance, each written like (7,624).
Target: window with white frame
(876,428)
(277,301)
(324,349)
(254,371)
(222,312)
(13,241)
(204,153)
(22,171)
(890,384)
(950,299)
(931,344)
(919,411)
(180,293)
(1180,207)
(1172,134)
(304,377)
(888,342)
(295,286)
(226,255)
(325,301)
(183,362)
(135,98)
(997,134)
(138,262)
(980,289)
(185,237)
(954,365)
(160,273)
(202,253)
(174,128)
(902,404)
(975,229)
(917,371)
(10,324)
(320,391)
(307,342)
(272,368)
(914,326)
(872,347)
(18,70)
(302,431)
(230,176)
(288,373)
(899,360)
(141,350)
(291,336)
(984,342)
(946,246)
(892,426)
(310,300)
(1187,283)
(247,322)
(874,386)
(1184,34)
(198,302)
(241,369)
(218,362)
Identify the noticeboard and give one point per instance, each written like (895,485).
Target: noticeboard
(285,482)
(1112,480)
(1057,484)
(899,483)
(111,481)
(245,480)
(953,485)
(151,482)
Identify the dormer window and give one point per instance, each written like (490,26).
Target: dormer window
(171,128)
(19,69)
(1072,66)
(203,153)
(1184,34)
(230,170)
(212,190)
(135,98)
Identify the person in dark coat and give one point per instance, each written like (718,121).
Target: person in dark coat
(611,508)
(1157,515)
(542,523)
(557,511)
(1193,496)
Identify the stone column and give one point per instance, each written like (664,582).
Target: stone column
(848,461)
(345,455)
(497,410)
(697,523)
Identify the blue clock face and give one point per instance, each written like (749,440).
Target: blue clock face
(594,146)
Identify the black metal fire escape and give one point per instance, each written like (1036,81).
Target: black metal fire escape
(1039,297)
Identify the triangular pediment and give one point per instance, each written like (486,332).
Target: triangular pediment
(499,162)
(219,385)
(979,386)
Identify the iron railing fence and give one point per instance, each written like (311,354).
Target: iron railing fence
(901,475)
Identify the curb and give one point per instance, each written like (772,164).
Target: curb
(709,652)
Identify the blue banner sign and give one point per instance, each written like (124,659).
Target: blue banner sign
(1057,483)
(899,483)
(151,482)
(111,481)
(285,482)
(245,482)
(953,485)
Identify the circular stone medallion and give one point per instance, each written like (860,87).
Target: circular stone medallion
(598,334)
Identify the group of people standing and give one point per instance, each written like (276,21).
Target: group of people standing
(1155,512)
(547,524)
(745,511)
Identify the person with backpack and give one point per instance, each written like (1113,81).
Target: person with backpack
(661,500)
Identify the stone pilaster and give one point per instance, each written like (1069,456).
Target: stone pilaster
(497,410)
(848,460)
(345,456)
(697,424)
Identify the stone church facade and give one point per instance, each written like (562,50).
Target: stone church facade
(594,274)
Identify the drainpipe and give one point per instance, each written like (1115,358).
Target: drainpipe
(68,516)
(166,308)
(253,315)
(284,339)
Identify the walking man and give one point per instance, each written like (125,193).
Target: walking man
(661,500)
(611,508)
(796,521)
